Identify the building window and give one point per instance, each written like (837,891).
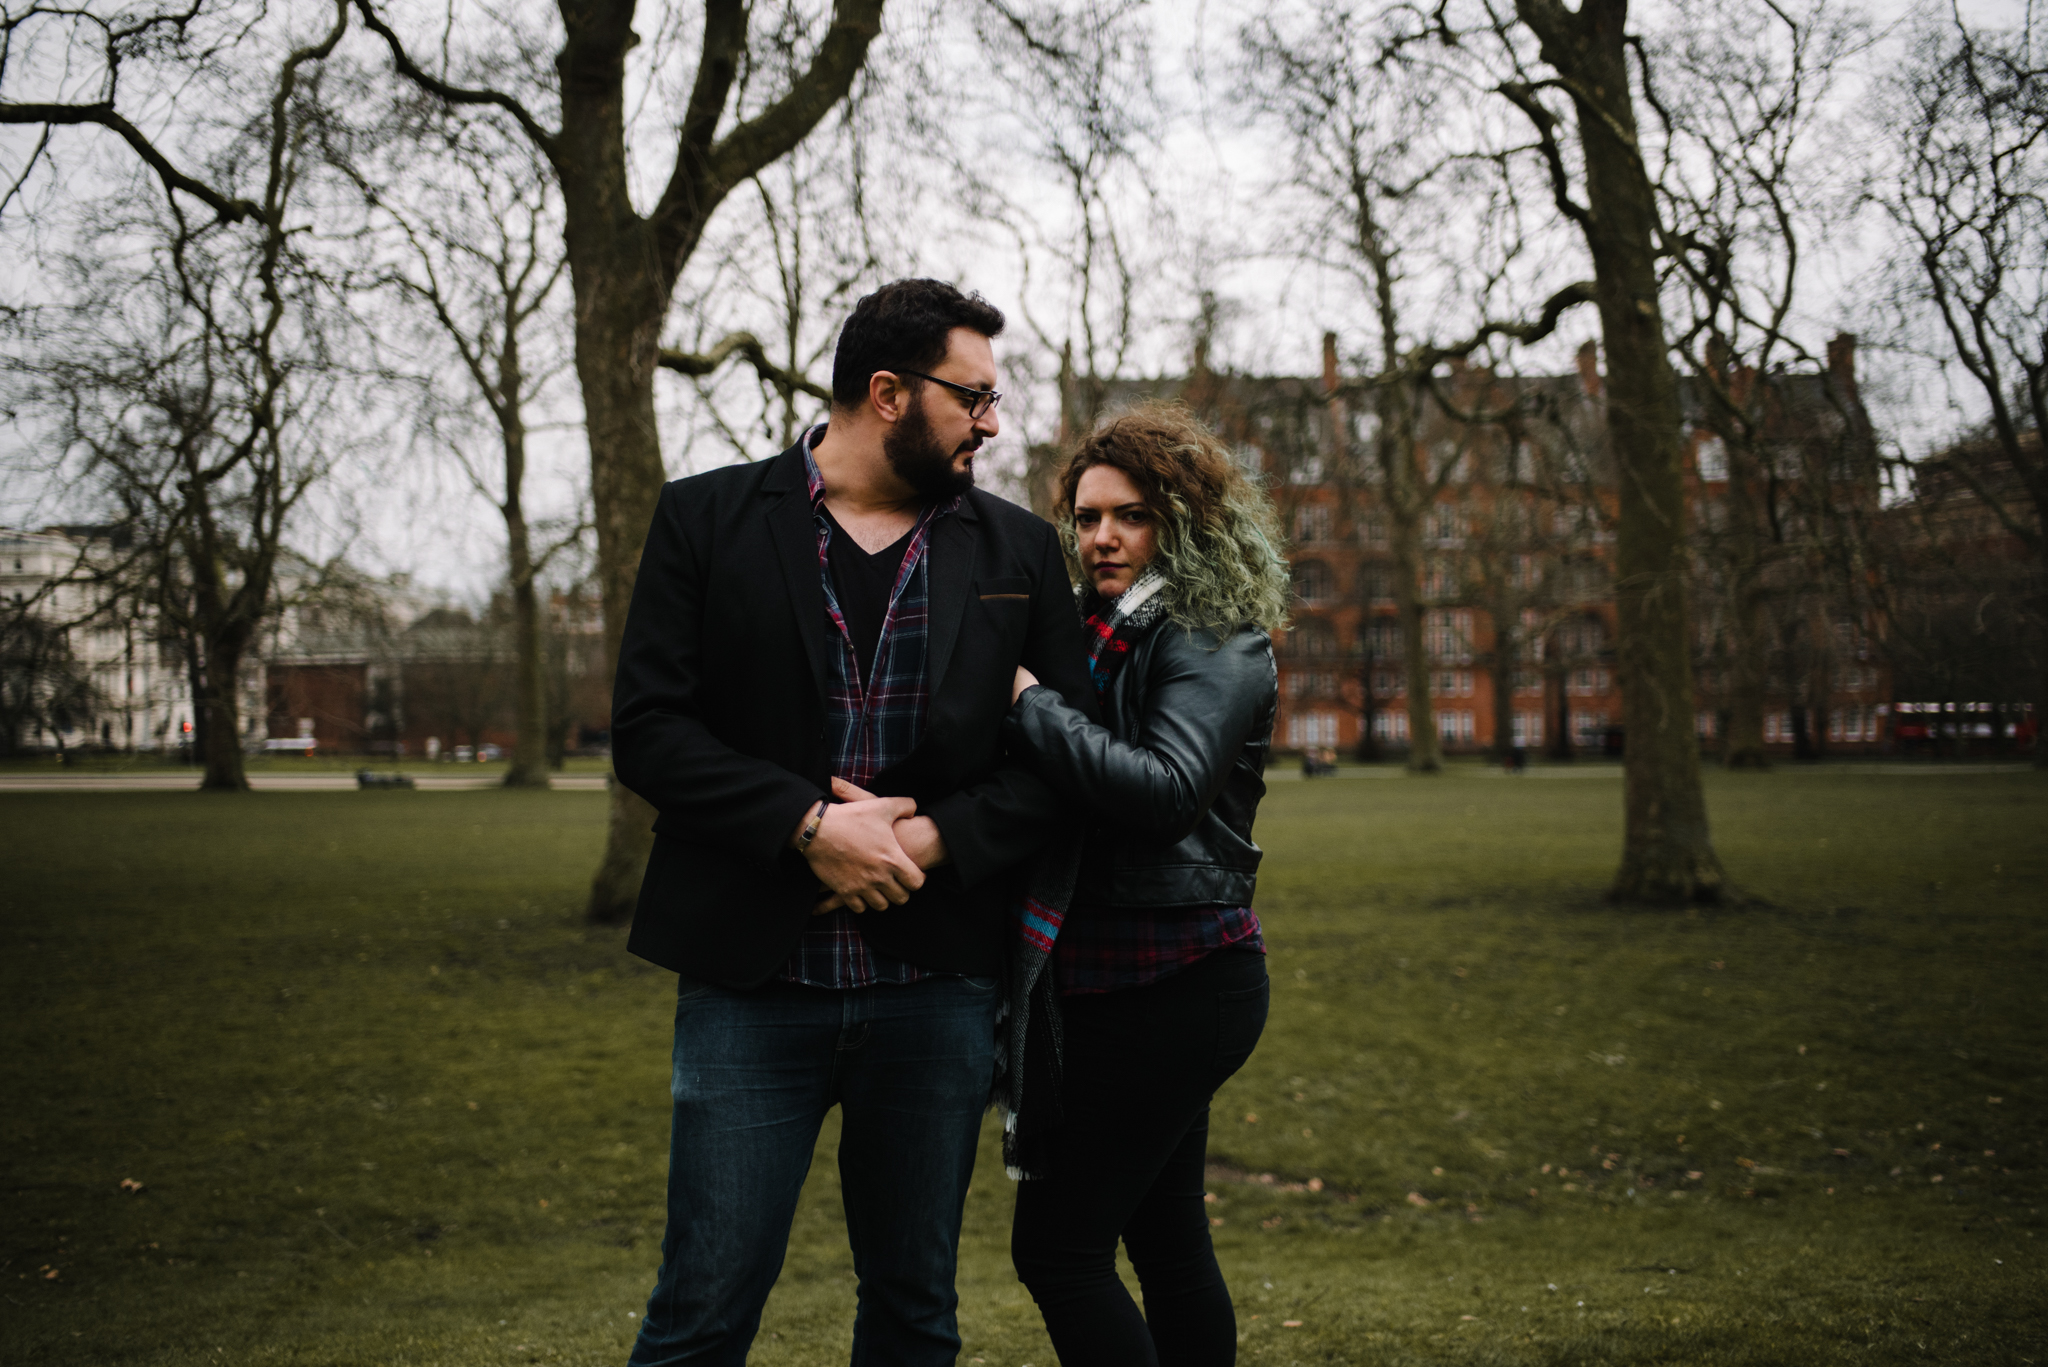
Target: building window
(1446,526)
(1314,638)
(1713,459)
(1391,725)
(1312,523)
(1308,471)
(1528,729)
(1317,728)
(1583,637)
(1588,728)
(1319,683)
(1440,580)
(1383,640)
(1447,635)
(1372,530)
(1313,582)
(1454,727)
(1375,584)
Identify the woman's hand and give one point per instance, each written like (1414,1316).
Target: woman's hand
(1025,679)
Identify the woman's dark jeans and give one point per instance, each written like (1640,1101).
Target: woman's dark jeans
(1126,1163)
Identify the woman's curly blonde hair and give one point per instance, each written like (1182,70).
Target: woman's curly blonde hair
(1220,549)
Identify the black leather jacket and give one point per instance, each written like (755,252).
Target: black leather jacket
(1172,782)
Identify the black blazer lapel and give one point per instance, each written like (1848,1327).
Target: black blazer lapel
(794,529)
(949,565)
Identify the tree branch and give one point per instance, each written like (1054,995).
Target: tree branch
(453,94)
(229,210)
(1427,358)
(1523,97)
(702,178)
(745,344)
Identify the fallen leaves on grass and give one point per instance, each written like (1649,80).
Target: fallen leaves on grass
(1417,1199)
(130,1184)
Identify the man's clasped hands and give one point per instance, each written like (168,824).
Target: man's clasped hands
(869,852)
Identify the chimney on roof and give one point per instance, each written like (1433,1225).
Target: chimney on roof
(1842,360)
(1589,368)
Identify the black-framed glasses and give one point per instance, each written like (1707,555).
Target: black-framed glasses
(979,401)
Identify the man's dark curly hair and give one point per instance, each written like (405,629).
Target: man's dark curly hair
(903,326)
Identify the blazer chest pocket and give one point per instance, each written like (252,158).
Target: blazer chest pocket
(998,592)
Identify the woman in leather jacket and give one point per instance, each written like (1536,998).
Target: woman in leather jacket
(1159,962)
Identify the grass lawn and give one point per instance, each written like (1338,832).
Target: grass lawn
(387,1102)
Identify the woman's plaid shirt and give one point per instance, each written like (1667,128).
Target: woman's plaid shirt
(868,728)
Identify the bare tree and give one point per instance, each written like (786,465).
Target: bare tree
(624,263)
(184,390)
(799,244)
(1667,852)
(1742,95)
(1078,114)
(44,687)
(481,259)
(1383,178)
(1971,208)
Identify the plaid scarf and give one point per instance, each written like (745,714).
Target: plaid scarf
(1115,624)
(1028,1045)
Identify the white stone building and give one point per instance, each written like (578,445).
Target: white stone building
(141,688)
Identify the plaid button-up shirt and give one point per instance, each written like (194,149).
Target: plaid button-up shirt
(869,725)
(1101,949)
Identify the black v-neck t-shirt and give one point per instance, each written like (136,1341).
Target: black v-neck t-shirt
(863,583)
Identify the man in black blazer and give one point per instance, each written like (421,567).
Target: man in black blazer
(817,658)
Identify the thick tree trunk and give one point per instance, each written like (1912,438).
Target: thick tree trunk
(622,289)
(529,686)
(529,695)
(1368,749)
(1425,749)
(1742,739)
(1667,856)
(214,712)
(620,306)
(1559,746)
(623,268)
(1742,743)
(2041,679)
(1506,653)
(1404,507)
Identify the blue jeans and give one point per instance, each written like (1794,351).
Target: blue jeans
(755,1073)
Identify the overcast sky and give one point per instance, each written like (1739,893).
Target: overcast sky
(1217,177)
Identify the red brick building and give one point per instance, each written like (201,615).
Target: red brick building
(1515,561)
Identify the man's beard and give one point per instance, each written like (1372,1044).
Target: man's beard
(920,461)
